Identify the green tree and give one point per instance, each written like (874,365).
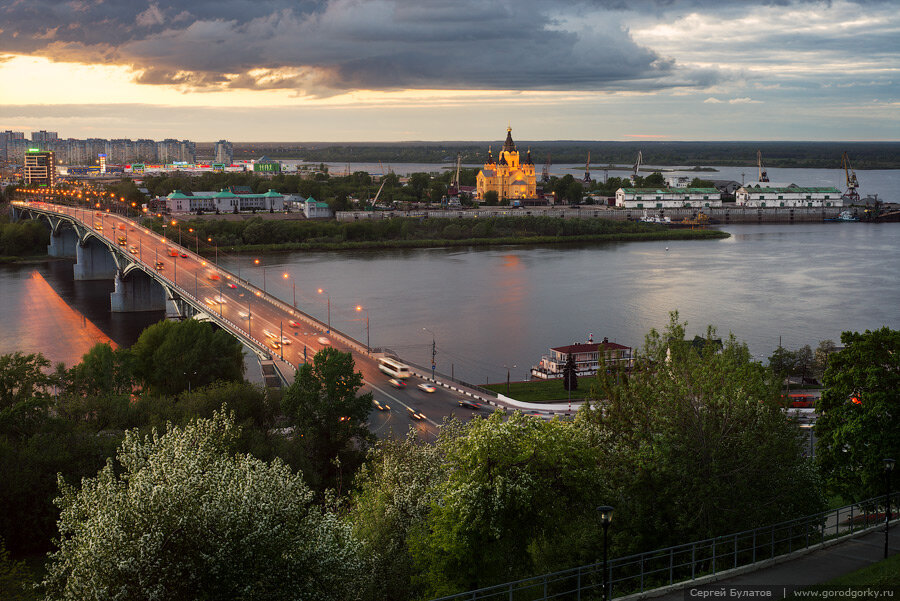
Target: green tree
(654,180)
(102,371)
(331,420)
(695,442)
(822,353)
(570,373)
(701,183)
(517,497)
(14,577)
(418,183)
(170,356)
(184,518)
(395,489)
(491,198)
(859,413)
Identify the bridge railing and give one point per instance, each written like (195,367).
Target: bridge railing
(691,562)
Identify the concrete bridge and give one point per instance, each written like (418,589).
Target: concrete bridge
(153,273)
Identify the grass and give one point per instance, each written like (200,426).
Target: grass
(884,574)
(541,391)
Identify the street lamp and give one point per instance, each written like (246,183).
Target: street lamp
(507,377)
(360,308)
(196,241)
(433,350)
(256,262)
(606,513)
(217,252)
(294,287)
(328,297)
(888,468)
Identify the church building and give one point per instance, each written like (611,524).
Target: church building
(509,178)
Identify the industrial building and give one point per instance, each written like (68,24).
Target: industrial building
(762,195)
(668,198)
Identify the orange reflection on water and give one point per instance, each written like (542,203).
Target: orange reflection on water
(69,333)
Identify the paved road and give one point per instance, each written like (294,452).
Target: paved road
(288,333)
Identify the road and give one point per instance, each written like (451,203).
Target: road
(288,333)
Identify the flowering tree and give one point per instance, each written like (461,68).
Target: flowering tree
(183,518)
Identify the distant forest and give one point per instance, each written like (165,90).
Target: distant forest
(824,155)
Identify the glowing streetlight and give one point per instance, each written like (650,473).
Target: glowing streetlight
(294,287)
(361,308)
(328,296)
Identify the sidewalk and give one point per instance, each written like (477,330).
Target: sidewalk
(813,567)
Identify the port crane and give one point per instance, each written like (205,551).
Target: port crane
(587,170)
(763,176)
(545,174)
(852,183)
(637,167)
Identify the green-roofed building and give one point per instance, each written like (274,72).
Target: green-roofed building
(761,196)
(668,198)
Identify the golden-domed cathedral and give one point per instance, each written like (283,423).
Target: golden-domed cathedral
(508,177)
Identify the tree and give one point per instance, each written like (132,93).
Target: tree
(654,180)
(859,413)
(184,518)
(101,372)
(517,496)
(820,360)
(695,442)
(491,198)
(330,418)
(14,577)
(570,373)
(171,356)
(418,183)
(701,183)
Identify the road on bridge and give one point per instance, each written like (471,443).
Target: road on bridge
(288,333)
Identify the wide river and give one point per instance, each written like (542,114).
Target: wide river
(489,310)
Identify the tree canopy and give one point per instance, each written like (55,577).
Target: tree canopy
(170,356)
(182,517)
(859,412)
(695,443)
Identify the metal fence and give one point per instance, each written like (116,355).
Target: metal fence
(684,563)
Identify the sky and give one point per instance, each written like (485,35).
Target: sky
(405,70)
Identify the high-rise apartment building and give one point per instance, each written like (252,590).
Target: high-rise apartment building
(7,137)
(44,136)
(40,167)
(224,152)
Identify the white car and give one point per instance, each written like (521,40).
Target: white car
(243,315)
(324,341)
(426,387)
(285,340)
(269,334)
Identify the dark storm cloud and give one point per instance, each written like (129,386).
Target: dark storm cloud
(323,47)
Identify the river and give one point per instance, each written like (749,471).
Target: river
(489,310)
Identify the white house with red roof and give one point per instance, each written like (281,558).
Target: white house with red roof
(587,358)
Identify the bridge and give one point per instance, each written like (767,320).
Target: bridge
(152,272)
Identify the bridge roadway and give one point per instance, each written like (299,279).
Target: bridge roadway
(199,287)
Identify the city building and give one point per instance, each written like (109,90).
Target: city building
(224,153)
(223,201)
(40,167)
(44,136)
(668,198)
(316,209)
(266,165)
(509,178)
(766,195)
(587,358)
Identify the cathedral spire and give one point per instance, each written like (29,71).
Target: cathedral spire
(509,145)
(490,156)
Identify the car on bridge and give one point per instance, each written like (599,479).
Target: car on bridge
(397,383)
(426,387)
(468,404)
(159,266)
(413,414)
(323,341)
(379,406)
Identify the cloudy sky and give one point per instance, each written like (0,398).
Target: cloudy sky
(386,70)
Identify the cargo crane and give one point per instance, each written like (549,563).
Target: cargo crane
(453,189)
(637,167)
(587,170)
(763,176)
(545,174)
(852,183)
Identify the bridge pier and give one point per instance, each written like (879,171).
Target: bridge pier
(137,292)
(63,243)
(94,261)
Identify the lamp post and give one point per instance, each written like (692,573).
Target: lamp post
(294,287)
(256,262)
(328,298)
(360,308)
(217,254)
(507,377)
(196,241)
(606,513)
(433,351)
(888,468)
